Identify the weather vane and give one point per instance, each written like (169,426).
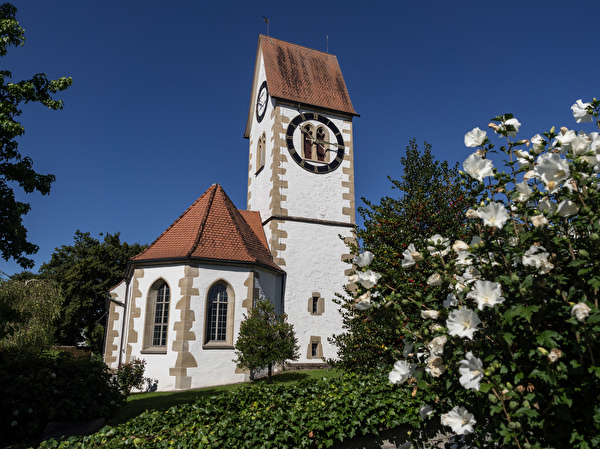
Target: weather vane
(267,21)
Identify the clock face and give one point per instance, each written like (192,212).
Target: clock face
(261,101)
(315,143)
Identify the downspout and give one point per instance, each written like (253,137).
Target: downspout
(283,279)
(125,308)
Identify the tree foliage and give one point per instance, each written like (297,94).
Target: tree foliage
(15,168)
(265,338)
(28,313)
(86,271)
(430,201)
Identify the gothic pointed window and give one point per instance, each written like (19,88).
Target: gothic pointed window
(261,152)
(161,316)
(320,145)
(308,141)
(156,326)
(219,317)
(217,313)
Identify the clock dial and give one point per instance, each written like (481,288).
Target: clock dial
(261,101)
(315,143)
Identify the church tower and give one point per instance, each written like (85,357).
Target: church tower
(301,180)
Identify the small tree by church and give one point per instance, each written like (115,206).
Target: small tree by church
(265,338)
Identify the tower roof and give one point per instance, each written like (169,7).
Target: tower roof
(212,229)
(303,75)
(300,75)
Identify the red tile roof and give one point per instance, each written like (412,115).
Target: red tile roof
(302,75)
(213,229)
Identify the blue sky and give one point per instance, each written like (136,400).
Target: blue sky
(161,90)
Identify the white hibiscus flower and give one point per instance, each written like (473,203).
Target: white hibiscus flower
(460,420)
(475,138)
(368,279)
(402,372)
(581,311)
(478,167)
(364,259)
(486,293)
(463,323)
(411,256)
(493,215)
(580,111)
(471,372)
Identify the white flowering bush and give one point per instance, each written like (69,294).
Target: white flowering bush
(502,343)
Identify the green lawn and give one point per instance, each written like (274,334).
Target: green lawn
(138,403)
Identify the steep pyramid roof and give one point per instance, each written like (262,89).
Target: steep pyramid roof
(300,75)
(303,75)
(213,229)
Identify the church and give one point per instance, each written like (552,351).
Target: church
(182,300)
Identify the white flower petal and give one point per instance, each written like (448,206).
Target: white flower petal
(580,112)
(475,138)
(364,259)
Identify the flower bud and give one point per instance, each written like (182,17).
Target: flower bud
(543,351)
(513,405)
(492,398)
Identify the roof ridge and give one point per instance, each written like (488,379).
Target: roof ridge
(206,214)
(236,216)
(137,256)
(297,45)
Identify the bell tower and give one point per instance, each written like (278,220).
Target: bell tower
(301,180)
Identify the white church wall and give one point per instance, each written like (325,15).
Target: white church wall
(316,196)
(316,269)
(194,362)
(259,178)
(157,364)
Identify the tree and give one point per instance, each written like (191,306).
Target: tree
(265,338)
(28,310)
(431,201)
(14,168)
(86,271)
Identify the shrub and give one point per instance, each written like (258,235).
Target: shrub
(131,375)
(265,338)
(39,389)
(504,340)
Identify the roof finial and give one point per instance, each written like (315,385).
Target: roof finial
(267,21)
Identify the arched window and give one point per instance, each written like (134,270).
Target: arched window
(157,317)
(260,152)
(313,146)
(161,316)
(220,304)
(308,141)
(321,137)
